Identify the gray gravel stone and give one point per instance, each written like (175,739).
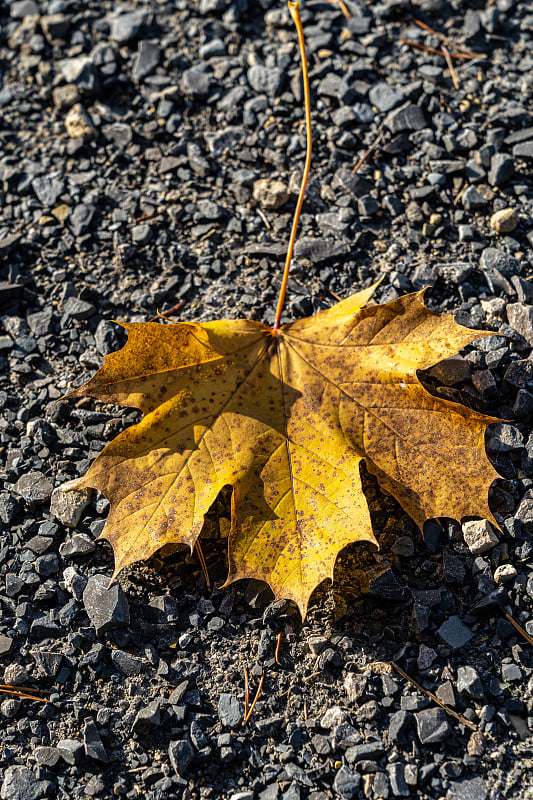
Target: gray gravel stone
(127,663)
(468,682)
(265,80)
(21,784)
(397,780)
(472,199)
(181,754)
(384,96)
(346,782)
(147,59)
(455,633)
(125,27)
(78,309)
(408,117)
(501,169)
(93,743)
(496,258)
(148,718)
(34,487)
(229,710)
(468,789)
(520,318)
(48,189)
(71,751)
(432,725)
(107,608)
(67,505)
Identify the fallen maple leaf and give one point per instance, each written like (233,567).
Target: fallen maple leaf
(286,418)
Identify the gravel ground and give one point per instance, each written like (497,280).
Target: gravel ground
(150,156)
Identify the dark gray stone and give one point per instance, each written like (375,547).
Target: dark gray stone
(34,487)
(265,80)
(397,780)
(468,682)
(408,117)
(397,724)
(125,27)
(181,754)
(107,608)
(80,545)
(346,782)
(384,96)
(229,710)
(432,725)
(127,663)
(93,743)
(21,784)
(78,309)
(48,189)
(504,438)
(520,318)
(71,751)
(501,169)
(455,633)
(523,150)
(195,82)
(80,219)
(496,258)
(147,59)
(148,718)
(468,789)
(472,199)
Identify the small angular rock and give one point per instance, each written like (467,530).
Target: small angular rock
(479,536)
(229,710)
(107,608)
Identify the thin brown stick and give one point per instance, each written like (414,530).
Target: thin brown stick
(434,50)
(29,689)
(246,693)
(459,717)
(294,10)
(278,644)
(165,314)
(519,628)
(256,698)
(24,695)
(342,7)
(449,42)
(370,150)
(150,216)
(203,563)
(450,66)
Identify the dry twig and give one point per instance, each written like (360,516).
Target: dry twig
(150,216)
(519,628)
(434,50)
(342,7)
(248,714)
(370,150)
(460,47)
(278,644)
(459,717)
(165,314)
(25,693)
(203,564)
(450,66)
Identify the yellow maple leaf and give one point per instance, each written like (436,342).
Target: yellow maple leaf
(286,418)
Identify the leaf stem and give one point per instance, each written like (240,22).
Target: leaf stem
(294,10)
